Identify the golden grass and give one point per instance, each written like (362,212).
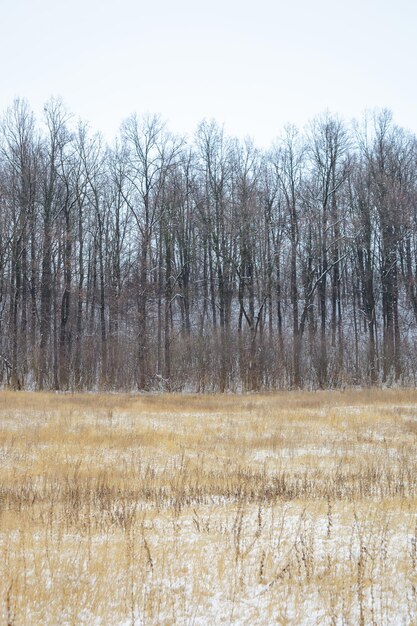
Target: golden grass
(288,508)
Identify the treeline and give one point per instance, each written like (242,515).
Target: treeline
(160,264)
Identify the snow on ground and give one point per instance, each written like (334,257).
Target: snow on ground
(197,517)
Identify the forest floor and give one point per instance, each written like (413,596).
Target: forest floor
(289,508)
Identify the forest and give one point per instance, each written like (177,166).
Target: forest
(206,264)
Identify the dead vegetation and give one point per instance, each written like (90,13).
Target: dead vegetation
(297,508)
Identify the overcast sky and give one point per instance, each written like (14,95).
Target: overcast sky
(253,66)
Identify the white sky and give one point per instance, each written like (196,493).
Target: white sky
(253,66)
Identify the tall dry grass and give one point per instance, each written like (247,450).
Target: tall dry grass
(292,508)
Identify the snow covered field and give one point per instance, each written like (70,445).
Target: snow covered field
(294,508)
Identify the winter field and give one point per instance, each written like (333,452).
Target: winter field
(292,508)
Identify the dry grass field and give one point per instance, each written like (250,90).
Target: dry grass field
(292,508)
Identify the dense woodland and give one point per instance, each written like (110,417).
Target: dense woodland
(159,263)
